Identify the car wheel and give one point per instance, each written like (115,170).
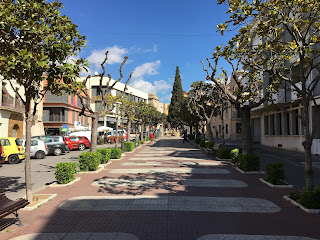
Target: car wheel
(13,159)
(82,147)
(57,151)
(40,155)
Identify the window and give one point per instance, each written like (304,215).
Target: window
(266,125)
(238,113)
(286,123)
(73,116)
(227,128)
(272,127)
(219,128)
(5,142)
(226,107)
(238,127)
(295,122)
(73,138)
(34,143)
(279,123)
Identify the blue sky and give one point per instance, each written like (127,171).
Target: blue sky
(156,35)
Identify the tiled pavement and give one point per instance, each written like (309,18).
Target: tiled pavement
(181,198)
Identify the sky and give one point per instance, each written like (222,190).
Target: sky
(156,35)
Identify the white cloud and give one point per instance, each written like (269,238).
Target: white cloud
(115,55)
(148,87)
(146,69)
(154,49)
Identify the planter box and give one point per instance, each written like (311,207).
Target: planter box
(42,199)
(301,206)
(275,186)
(224,159)
(105,164)
(250,172)
(64,185)
(99,170)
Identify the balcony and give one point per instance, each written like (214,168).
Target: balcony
(55,118)
(11,104)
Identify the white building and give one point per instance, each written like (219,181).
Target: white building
(132,94)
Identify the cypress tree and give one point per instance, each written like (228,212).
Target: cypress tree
(176,104)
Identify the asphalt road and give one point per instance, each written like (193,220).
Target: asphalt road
(12,176)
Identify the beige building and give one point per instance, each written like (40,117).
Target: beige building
(12,112)
(232,124)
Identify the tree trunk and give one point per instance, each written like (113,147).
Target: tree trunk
(307,143)
(246,130)
(142,129)
(222,127)
(117,136)
(94,133)
(128,128)
(209,133)
(28,120)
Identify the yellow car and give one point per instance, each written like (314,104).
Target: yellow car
(12,150)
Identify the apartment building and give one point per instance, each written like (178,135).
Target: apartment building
(231,121)
(114,118)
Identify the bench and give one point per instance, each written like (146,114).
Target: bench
(8,206)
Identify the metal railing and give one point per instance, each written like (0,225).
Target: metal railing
(55,118)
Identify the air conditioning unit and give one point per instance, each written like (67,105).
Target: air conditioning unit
(315,149)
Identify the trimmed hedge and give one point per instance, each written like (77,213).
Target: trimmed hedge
(249,162)
(275,173)
(128,146)
(89,161)
(208,144)
(202,143)
(106,154)
(224,153)
(147,138)
(197,140)
(235,155)
(65,172)
(309,199)
(115,153)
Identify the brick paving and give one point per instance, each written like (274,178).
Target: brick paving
(144,224)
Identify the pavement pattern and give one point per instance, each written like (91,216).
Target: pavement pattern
(182,198)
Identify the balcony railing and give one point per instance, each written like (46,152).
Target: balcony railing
(55,118)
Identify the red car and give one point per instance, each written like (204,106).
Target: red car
(76,142)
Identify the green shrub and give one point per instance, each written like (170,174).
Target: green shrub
(115,153)
(89,161)
(224,153)
(208,144)
(249,162)
(128,146)
(147,138)
(275,173)
(197,140)
(234,154)
(202,143)
(139,142)
(142,142)
(65,172)
(106,154)
(190,136)
(309,199)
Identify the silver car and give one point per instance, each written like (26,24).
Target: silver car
(38,149)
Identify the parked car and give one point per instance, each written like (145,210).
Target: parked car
(56,144)
(1,154)
(78,142)
(13,152)
(38,148)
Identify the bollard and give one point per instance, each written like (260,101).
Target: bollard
(122,146)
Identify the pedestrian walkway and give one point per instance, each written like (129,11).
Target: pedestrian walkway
(167,190)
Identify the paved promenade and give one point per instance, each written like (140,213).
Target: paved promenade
(167,190)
